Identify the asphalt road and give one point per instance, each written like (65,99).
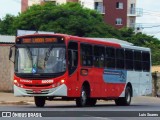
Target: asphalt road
(104,110)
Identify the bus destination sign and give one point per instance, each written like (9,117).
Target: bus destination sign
(39,40)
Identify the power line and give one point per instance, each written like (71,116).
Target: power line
(151,11)
(152,26)
(152,33)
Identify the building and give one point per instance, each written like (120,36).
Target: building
(117,13)
(27,3)
(132,13)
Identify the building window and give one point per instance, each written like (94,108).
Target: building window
(132,9)
(119,5)
(119,21)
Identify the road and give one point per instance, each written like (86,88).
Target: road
(68,111)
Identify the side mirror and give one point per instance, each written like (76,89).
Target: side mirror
(11,53)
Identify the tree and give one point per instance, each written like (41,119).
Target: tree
(144,40)
(70,18)
(6,25)
(127,33)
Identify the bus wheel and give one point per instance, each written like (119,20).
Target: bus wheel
(82,100)
(91,102)
(124,101)
(39,101)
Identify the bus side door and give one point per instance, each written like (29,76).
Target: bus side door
(73,69)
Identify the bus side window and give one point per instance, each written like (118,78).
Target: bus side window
(120,58)
(110,58)
(146,61)
(137,60)
(129,59)
(72,57)
(86,55)
(99,53)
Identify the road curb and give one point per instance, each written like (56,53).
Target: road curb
(16,102)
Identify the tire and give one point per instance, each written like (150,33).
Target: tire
(124,101)
(82,100)
(39,101)
(91,102)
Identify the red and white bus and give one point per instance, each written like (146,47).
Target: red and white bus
(80,69)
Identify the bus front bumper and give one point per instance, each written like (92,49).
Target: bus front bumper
(58,91)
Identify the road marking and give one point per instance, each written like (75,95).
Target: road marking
(102,118)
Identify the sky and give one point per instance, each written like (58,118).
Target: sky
(151,17)
(150,20)
(12,7)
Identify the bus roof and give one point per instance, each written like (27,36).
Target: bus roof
(100,41)
(123,44)
(113,40)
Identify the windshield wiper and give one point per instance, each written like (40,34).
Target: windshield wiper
(48,53)
(29,54)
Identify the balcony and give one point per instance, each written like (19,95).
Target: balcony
(98,6)
(49,0)
(136,26)
(101,9)
(135,12)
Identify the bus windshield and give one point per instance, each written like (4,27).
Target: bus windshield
(40,60)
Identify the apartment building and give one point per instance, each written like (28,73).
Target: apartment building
(117,13)
(132,13)
(27,3)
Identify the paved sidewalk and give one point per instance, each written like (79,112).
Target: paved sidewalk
(9,98)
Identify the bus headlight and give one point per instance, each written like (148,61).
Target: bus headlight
(62,81)
(17,84)
(15,81)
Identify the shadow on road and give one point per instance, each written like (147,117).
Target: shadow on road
(87,107)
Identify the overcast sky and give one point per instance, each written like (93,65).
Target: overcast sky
(150,18)
(10,6)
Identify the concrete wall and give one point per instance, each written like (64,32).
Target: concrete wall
(156,84)
(32,2)
(6,69)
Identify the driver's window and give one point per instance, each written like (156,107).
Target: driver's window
(72,56)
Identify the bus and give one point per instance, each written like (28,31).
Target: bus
(47,66)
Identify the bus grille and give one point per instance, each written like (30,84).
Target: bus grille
(46,85)
(42,92)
